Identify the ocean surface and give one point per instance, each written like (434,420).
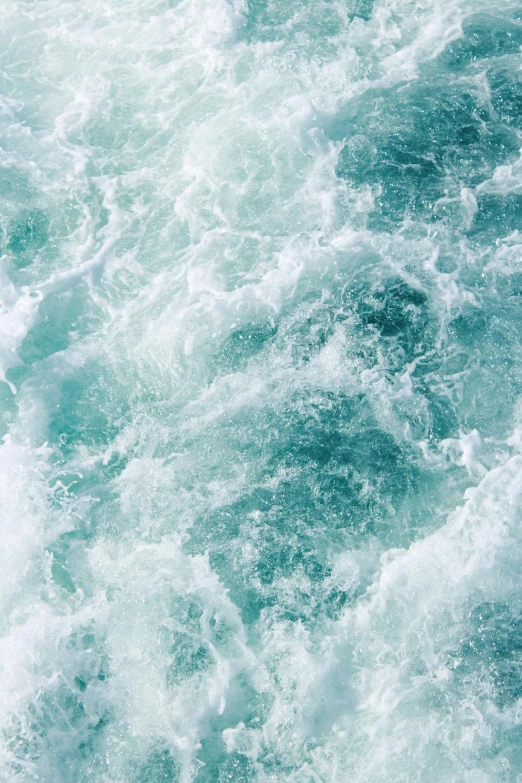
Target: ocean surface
(261,391)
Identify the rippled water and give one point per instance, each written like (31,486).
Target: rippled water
(261,362)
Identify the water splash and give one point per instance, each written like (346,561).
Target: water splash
(260,377)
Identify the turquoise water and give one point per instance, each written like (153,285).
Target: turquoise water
(261,391)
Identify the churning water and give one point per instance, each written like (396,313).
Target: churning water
(261,396)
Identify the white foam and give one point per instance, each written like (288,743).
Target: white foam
(191,184)
(18,314)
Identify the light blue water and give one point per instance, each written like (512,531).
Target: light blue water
(261,378)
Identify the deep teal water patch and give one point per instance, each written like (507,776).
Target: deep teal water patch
(80,417)
(266,20)
(160,767)
(443,140)
(324,475)
(492,653)
(59,322)
(27,234)
(442,133)
(485,36)
(242,344)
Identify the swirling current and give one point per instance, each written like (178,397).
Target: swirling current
(261,391)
